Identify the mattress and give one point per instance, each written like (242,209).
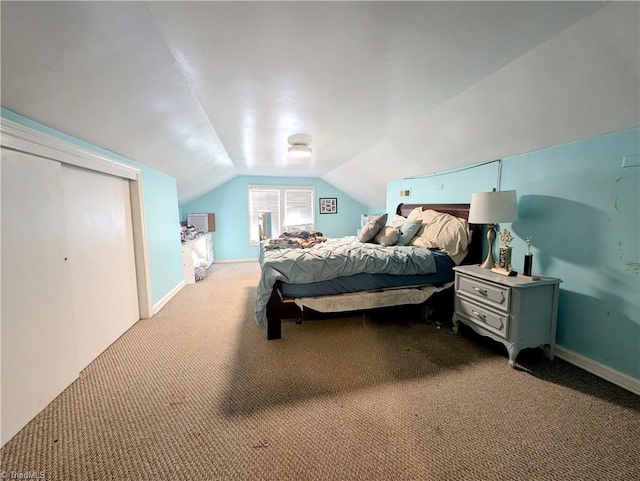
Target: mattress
(334,259)
(371,282)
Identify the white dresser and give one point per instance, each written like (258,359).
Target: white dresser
(202,248)
(520,313)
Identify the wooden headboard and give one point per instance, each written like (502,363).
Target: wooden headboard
(474,255)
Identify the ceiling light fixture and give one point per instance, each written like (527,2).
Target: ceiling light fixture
(299,146)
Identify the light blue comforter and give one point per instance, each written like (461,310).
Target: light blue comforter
(335,258)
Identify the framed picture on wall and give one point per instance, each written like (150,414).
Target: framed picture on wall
(328,205)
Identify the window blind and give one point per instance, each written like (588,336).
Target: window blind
(298,209)
(291,208)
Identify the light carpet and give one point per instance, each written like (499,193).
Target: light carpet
(198,393)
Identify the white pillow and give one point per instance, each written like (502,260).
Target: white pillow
(429,215)
(387,236)
(398,220)
(408,229)
(445,231)
(415,214)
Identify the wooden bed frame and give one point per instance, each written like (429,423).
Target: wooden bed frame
(280,307)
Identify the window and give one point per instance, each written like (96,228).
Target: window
(287,208)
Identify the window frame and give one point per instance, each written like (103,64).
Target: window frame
(281,207)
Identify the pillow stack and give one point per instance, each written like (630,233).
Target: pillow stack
(399,231)
(407,228)
(420,228)
(372,228)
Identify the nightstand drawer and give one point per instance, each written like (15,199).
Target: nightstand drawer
(496,295)
(496,322)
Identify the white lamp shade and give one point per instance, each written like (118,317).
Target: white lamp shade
(299,146)
(299,151)
(493,207)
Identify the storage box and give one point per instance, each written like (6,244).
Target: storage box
(203,222)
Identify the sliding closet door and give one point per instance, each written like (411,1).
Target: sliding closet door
(101,258)
(38,336)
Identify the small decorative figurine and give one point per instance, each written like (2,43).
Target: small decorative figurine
(528,257)
(506,237)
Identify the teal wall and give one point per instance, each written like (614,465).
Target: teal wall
(161,213)
(449,188)
(229,203)
(163,232)
(582,211)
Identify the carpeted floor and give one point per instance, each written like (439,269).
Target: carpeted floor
(198,393)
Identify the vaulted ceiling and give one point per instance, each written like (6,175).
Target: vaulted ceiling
(206,91)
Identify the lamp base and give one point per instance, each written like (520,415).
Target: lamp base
(489,263)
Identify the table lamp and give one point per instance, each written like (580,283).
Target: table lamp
(491,208)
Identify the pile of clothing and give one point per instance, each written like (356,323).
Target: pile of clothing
(295,240)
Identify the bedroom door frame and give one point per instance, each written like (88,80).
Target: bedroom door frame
(27,140)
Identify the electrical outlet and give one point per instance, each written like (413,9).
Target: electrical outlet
(631,160)
(405,193)
(439,186)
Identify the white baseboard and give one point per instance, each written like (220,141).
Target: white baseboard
(608,374)
(229,261)
(161,303)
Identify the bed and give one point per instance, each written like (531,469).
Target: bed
(346,274)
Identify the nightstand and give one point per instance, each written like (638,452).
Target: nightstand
(519,313)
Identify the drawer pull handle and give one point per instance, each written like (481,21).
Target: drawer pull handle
(481,291)
(480,316)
